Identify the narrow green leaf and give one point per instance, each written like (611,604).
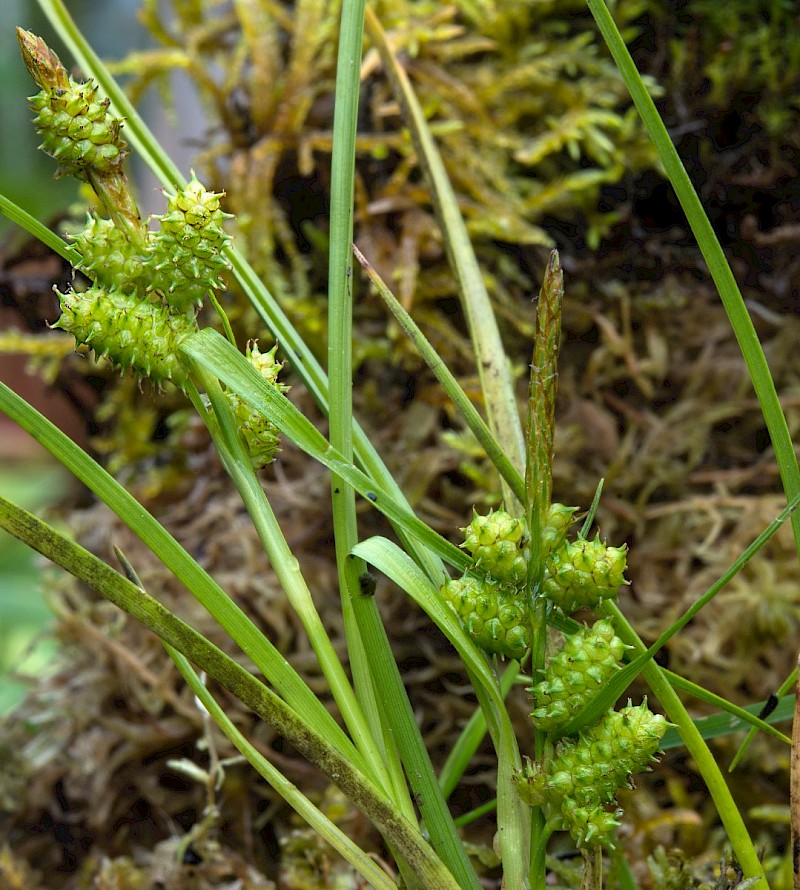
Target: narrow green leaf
(448,382)
(317,748)
(208,593)
(340,416)
(788,683)
(321,824)
(732,717)
(715,259)
(231,450)
(404,730)
(32,225)
(513,817)
(210,351)
(497,383)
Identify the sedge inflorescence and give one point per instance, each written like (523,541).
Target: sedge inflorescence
(577,782)
(148,280)
(492,600)
(78,130)
(579,785)
(148,283)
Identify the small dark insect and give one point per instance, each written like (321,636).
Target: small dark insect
(769,706)
(366,584)
(191,856)
(372,496)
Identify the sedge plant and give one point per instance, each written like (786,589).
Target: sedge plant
(503,597)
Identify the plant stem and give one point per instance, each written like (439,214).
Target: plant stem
(287,570)
(497,384)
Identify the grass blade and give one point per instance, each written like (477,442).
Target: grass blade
(253,693)
(323,826)
(493,367)
(513,817)
(212,352)
(230,617)
(715,259)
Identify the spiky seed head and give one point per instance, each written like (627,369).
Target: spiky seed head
(559,519)
(584,573)
(78,130)
(185,258)
(109,257)
(260,434)
(497,618)
(498,543)
(582,780)
(576,674)
(141,336)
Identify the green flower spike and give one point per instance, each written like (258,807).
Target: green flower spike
(496,618)
(559,519)
(593,767)
(78,130)
(185,256)
(260,435)
(499,546)
(136,335)
(575,675)
(583,779)
(591,826)
(109,256)
(583,573)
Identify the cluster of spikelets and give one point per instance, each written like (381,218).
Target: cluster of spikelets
(575,674)
(78,130)
(259,434)
(492,600)
(147,283)
(579,784)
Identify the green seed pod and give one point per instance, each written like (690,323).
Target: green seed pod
(496,618)
(592,768)
(499,545)
(108,255)
(583,573)
(559,519)
(142,336)
(78,130)
(591,826)
(575,674)
(260,435)
(587,819)
(586,773)
(185,257)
